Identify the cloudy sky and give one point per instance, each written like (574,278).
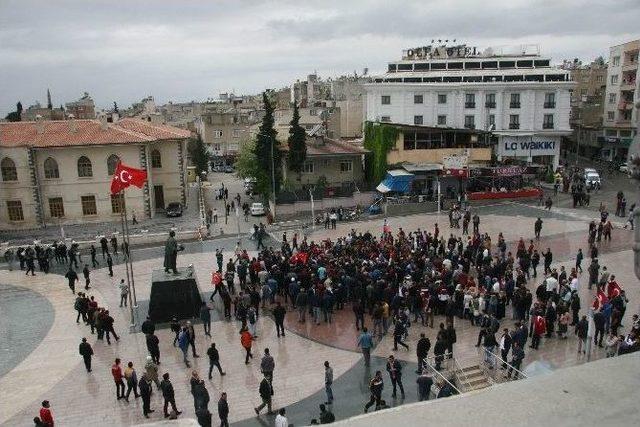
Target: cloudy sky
(185,50)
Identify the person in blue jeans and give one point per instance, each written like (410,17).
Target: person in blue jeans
(365,342)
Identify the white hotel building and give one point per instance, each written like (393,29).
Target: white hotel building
(520,97)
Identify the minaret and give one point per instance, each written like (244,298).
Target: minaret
(49,104)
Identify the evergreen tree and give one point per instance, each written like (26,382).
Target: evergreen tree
(115,108)
(297,142)
(198,154)
(49,104)
(15,116)
(264,140)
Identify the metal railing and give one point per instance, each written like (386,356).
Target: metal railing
(438,374)
(494,375)
(461,375)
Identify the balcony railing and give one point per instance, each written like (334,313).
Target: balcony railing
(514,125)
(469,126)
(514,105)
(469,105)
(547,125)
(490,104)
(549,105)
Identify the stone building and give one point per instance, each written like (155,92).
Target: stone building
(83,108)
(59,172)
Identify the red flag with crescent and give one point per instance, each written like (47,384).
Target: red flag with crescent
(124,176)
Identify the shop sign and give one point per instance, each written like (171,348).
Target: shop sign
(529,146)
(510,170)
(455,161)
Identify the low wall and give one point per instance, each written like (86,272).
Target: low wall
(410,208)
(364,199)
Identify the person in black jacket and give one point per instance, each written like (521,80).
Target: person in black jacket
(375,387)
(223,410)
(169,395)
(505,346)
(424,381)
(278,315)
(148,327)
(153,345)
(398,332)
(144,385)
(598,321)
(451,337)
(438,351)
(395,373)
(422,350)
(201,404)
(86,352)
(265,395)
(214,359)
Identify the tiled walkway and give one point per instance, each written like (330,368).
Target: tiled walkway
(54,370)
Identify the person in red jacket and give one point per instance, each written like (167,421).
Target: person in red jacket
(539,329)
(46,417)
(613,288)
(116,371)
(246,341)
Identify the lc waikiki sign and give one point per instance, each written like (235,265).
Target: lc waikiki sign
(529,146)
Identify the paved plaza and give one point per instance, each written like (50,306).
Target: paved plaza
(39,336)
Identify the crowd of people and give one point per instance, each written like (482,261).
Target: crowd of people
(389,281)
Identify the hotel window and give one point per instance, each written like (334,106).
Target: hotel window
(417,120)
(89,205)
(346,166)
(514,121)
(217,147)
(14,210)
(442,98)
(51,170)
(470,122)
(616,61)
(307,167)
(442,120)
(614,79)
(385,119)
(599,79)
(492,120)
(515,100)
(117,203)
(550,100)
(612,98)
(85,169)
(386,99)
(313,112)
(547,122)
(418,99)
(490,102)
(56,207)
(112,163)
(8,169)
(217,133)
(236,133)
(469,100)
(611,115)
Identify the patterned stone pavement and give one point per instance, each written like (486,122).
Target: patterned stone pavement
(53,369)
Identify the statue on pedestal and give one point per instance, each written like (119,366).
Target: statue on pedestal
(171,249)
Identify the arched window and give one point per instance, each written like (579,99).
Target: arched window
(8,169)
(112,162)
(51,170)
(156,159)
(85,169)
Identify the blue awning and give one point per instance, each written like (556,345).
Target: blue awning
(397,180)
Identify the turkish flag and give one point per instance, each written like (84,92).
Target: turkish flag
(124,176)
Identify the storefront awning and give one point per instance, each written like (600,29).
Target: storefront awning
(397,180)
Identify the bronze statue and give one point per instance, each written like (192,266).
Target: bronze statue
(171,249)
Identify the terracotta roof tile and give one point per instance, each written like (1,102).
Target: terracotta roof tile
(59,133)
(330,147)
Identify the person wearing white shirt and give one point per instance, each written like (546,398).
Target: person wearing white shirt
(575,284)
(281,420)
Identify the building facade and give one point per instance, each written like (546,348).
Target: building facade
(518,96)
(623,85)
(224,130)
(59,172)
(83,108)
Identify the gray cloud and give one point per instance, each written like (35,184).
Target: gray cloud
(184,50)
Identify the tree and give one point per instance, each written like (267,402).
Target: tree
(199,154)
(15,116)
(297,142)
(247,166)
(263,148)
(49,104)
(115,108)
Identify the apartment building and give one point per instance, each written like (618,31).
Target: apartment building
(620,115)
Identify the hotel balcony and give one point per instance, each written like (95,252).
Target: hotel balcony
(625,105)
(627,85)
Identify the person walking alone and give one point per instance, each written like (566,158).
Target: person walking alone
(278,315)
(86,352)
(223,410)
(169,395)
(328,382)
(267,366)
(214,359)
(395,374)
(365,342)
(246,341)
(183,343)
(86,274)
(265,395)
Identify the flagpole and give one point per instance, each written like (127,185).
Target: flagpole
(133,280)
(126,262)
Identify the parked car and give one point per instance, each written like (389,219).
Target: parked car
(229,169)
(624,168)
(257,209)
(592,178)
(174,209)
